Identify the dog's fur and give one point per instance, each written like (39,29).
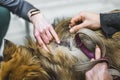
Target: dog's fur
(30,62)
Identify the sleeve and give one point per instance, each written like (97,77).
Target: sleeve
(110,23)
(18,7)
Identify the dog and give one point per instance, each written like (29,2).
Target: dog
(31,62)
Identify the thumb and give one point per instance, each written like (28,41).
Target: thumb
(77,27)
(92,59)
(97,52)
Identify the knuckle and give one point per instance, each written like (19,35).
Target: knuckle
(42,31)
(36,34)
(73,19)
(76,28)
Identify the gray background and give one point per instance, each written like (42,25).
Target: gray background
(57,8)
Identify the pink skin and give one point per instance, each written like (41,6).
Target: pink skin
(87,19)
(100,70)
(91,21)
(43,31)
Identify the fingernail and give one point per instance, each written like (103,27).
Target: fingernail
(92,59)
(69,26)
(72,30)
(58,41)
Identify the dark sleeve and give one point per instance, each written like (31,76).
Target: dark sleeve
(110,23)
(19,7)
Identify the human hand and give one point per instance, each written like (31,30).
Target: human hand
(86,20)
(43,31)
(99,71)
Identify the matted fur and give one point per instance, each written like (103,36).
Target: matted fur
(30,62)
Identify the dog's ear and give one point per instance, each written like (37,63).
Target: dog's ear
(9,49)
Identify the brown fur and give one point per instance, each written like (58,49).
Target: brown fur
(30,62)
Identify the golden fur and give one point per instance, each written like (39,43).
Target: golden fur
(30,62)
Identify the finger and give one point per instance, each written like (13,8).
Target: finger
(74,20)
(48,34)
(92,59)
(47,28)
(40,32)
(41,43)
(44,36)
(54,34)
(97,52)
(77,27)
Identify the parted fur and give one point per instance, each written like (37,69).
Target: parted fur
(30,62)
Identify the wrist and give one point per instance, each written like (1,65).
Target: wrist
(32,13)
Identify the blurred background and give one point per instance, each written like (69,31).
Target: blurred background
(52,9)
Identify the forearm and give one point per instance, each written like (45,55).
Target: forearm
(110,23)
(19,7)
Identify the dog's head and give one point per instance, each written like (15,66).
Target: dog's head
(30,62)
